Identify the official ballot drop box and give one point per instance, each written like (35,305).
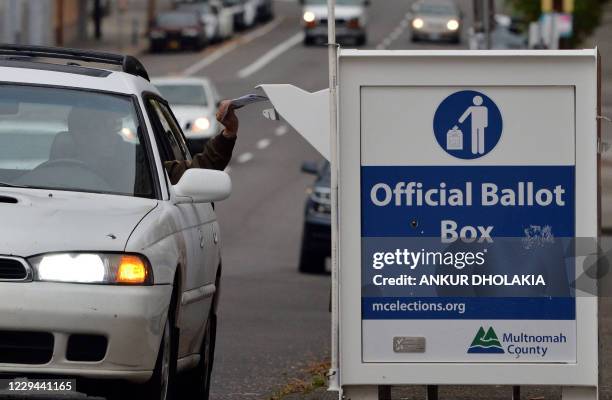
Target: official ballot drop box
(464,179)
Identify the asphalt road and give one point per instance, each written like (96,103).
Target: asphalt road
(273,320)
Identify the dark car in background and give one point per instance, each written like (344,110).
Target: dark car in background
(178,30)
(316,236)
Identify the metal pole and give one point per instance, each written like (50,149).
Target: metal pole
(334,381)
(487,23)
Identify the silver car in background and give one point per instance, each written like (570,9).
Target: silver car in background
(194,102)
(351,21)
(436,20)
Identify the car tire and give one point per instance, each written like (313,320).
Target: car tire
(197,381)
(311,262)
(162,384)
(362,40)
(308,41)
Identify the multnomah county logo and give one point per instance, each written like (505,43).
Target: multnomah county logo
(486,343)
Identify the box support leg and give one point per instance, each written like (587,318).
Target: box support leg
(360,392)
(432,392)
(384,392)
(579,393)
(516,393)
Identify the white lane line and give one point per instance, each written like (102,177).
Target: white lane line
(263,143)
(217,54)
(281,130)
(396,33)
(244,157)
(273,53)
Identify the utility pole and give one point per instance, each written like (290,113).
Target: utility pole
(151,11)
(97,17)
(487,23)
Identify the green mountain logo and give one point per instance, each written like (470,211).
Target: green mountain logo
(486,343)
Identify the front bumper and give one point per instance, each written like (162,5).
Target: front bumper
(131,318)
(317,233)
(342,32)
(436,35)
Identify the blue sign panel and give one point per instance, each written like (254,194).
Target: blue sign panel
(468,242)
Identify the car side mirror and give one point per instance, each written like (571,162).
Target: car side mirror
(203,186)
(310,167)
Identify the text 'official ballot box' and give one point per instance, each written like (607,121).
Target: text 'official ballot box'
(465,180)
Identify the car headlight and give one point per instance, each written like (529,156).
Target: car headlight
(309,16)
(98,268)
(200,124)
(321,199)
(418,23)
(452,25)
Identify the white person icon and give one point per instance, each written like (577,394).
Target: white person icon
(480,121)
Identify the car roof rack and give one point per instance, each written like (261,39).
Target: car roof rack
(129,64)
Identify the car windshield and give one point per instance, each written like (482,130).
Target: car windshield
(338,2)
(72,140)
(190,95)
(177,19)
(437,9)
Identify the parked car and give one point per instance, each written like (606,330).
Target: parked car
(107,270)
(178,30)
(436,20)
(208,15)
(351,21)
(316,235)
(265,10)
(237,9)
(194,102)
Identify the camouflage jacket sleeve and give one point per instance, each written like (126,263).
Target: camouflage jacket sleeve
(216,155)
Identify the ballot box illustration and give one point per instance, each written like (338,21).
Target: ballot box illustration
(454,139)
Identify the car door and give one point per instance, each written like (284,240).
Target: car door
(197,232)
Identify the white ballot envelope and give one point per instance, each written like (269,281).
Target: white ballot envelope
(248,99)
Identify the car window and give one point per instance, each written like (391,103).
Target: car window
(437,9)
(169,134)
(71,139)
(191,95)
(177,19)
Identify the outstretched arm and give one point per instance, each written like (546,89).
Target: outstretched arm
(218,151)
(465,115)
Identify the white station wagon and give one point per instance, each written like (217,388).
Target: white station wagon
(107,270)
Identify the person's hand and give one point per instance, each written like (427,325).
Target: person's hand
(227,117)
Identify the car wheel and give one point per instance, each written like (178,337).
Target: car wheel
(308,41)
(311,262)
(362,40)
(161,386)
(198,380)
